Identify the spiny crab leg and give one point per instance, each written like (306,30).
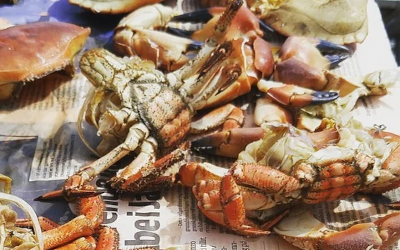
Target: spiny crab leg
(91,211)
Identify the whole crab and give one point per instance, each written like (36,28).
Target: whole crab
(43,48)
(289,166)
(137,108)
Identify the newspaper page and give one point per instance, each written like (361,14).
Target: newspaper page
(40,146)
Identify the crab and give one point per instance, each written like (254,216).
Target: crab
(301,61)
(290,166)
(338,21)
(84,231)
(136,107)
(36,50)
(76,234)
(150,32)
(229,142)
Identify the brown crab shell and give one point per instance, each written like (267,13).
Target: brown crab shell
(32,51)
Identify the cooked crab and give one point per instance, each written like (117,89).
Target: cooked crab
(137,108)
(289,166)
(35,50)
(84,232)
(151,33)
(338,21)
(112,6)
(230,142)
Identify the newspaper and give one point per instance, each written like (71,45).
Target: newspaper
(40,146)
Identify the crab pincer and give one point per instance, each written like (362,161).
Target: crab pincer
(304,61)
(208,17)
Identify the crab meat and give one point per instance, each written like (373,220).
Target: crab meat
(36,50)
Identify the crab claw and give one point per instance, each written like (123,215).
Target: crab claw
(208,16)
(227,143)
(303,61)
(72,194)
(295,96)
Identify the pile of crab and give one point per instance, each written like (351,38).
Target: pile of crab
(304,147)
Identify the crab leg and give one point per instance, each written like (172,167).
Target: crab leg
(144,172)
(222,200)
(231,142)
(91,210)
(304,231)
(209,17)
(107,238)
(295,96)
(227,143)
(82,243)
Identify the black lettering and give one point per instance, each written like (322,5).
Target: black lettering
(145,225)
(110,217)
(144,204)
(144,238)
(147,214)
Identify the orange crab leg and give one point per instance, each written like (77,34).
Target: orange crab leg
(231,142)
(45,223)
(228,143)
(208,193)
(233,213)
(295,96)
(82,243)
(91,210)
(229,116)
(108,239)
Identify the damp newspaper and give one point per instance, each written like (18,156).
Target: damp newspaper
(40,146)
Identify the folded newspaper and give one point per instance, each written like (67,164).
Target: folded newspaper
(40,146)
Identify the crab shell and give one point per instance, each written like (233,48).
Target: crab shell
(35,50)
(338,21)
(112,6)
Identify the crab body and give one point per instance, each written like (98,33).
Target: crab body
(42,48)
(286,168)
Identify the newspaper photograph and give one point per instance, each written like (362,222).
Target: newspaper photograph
(40,145)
